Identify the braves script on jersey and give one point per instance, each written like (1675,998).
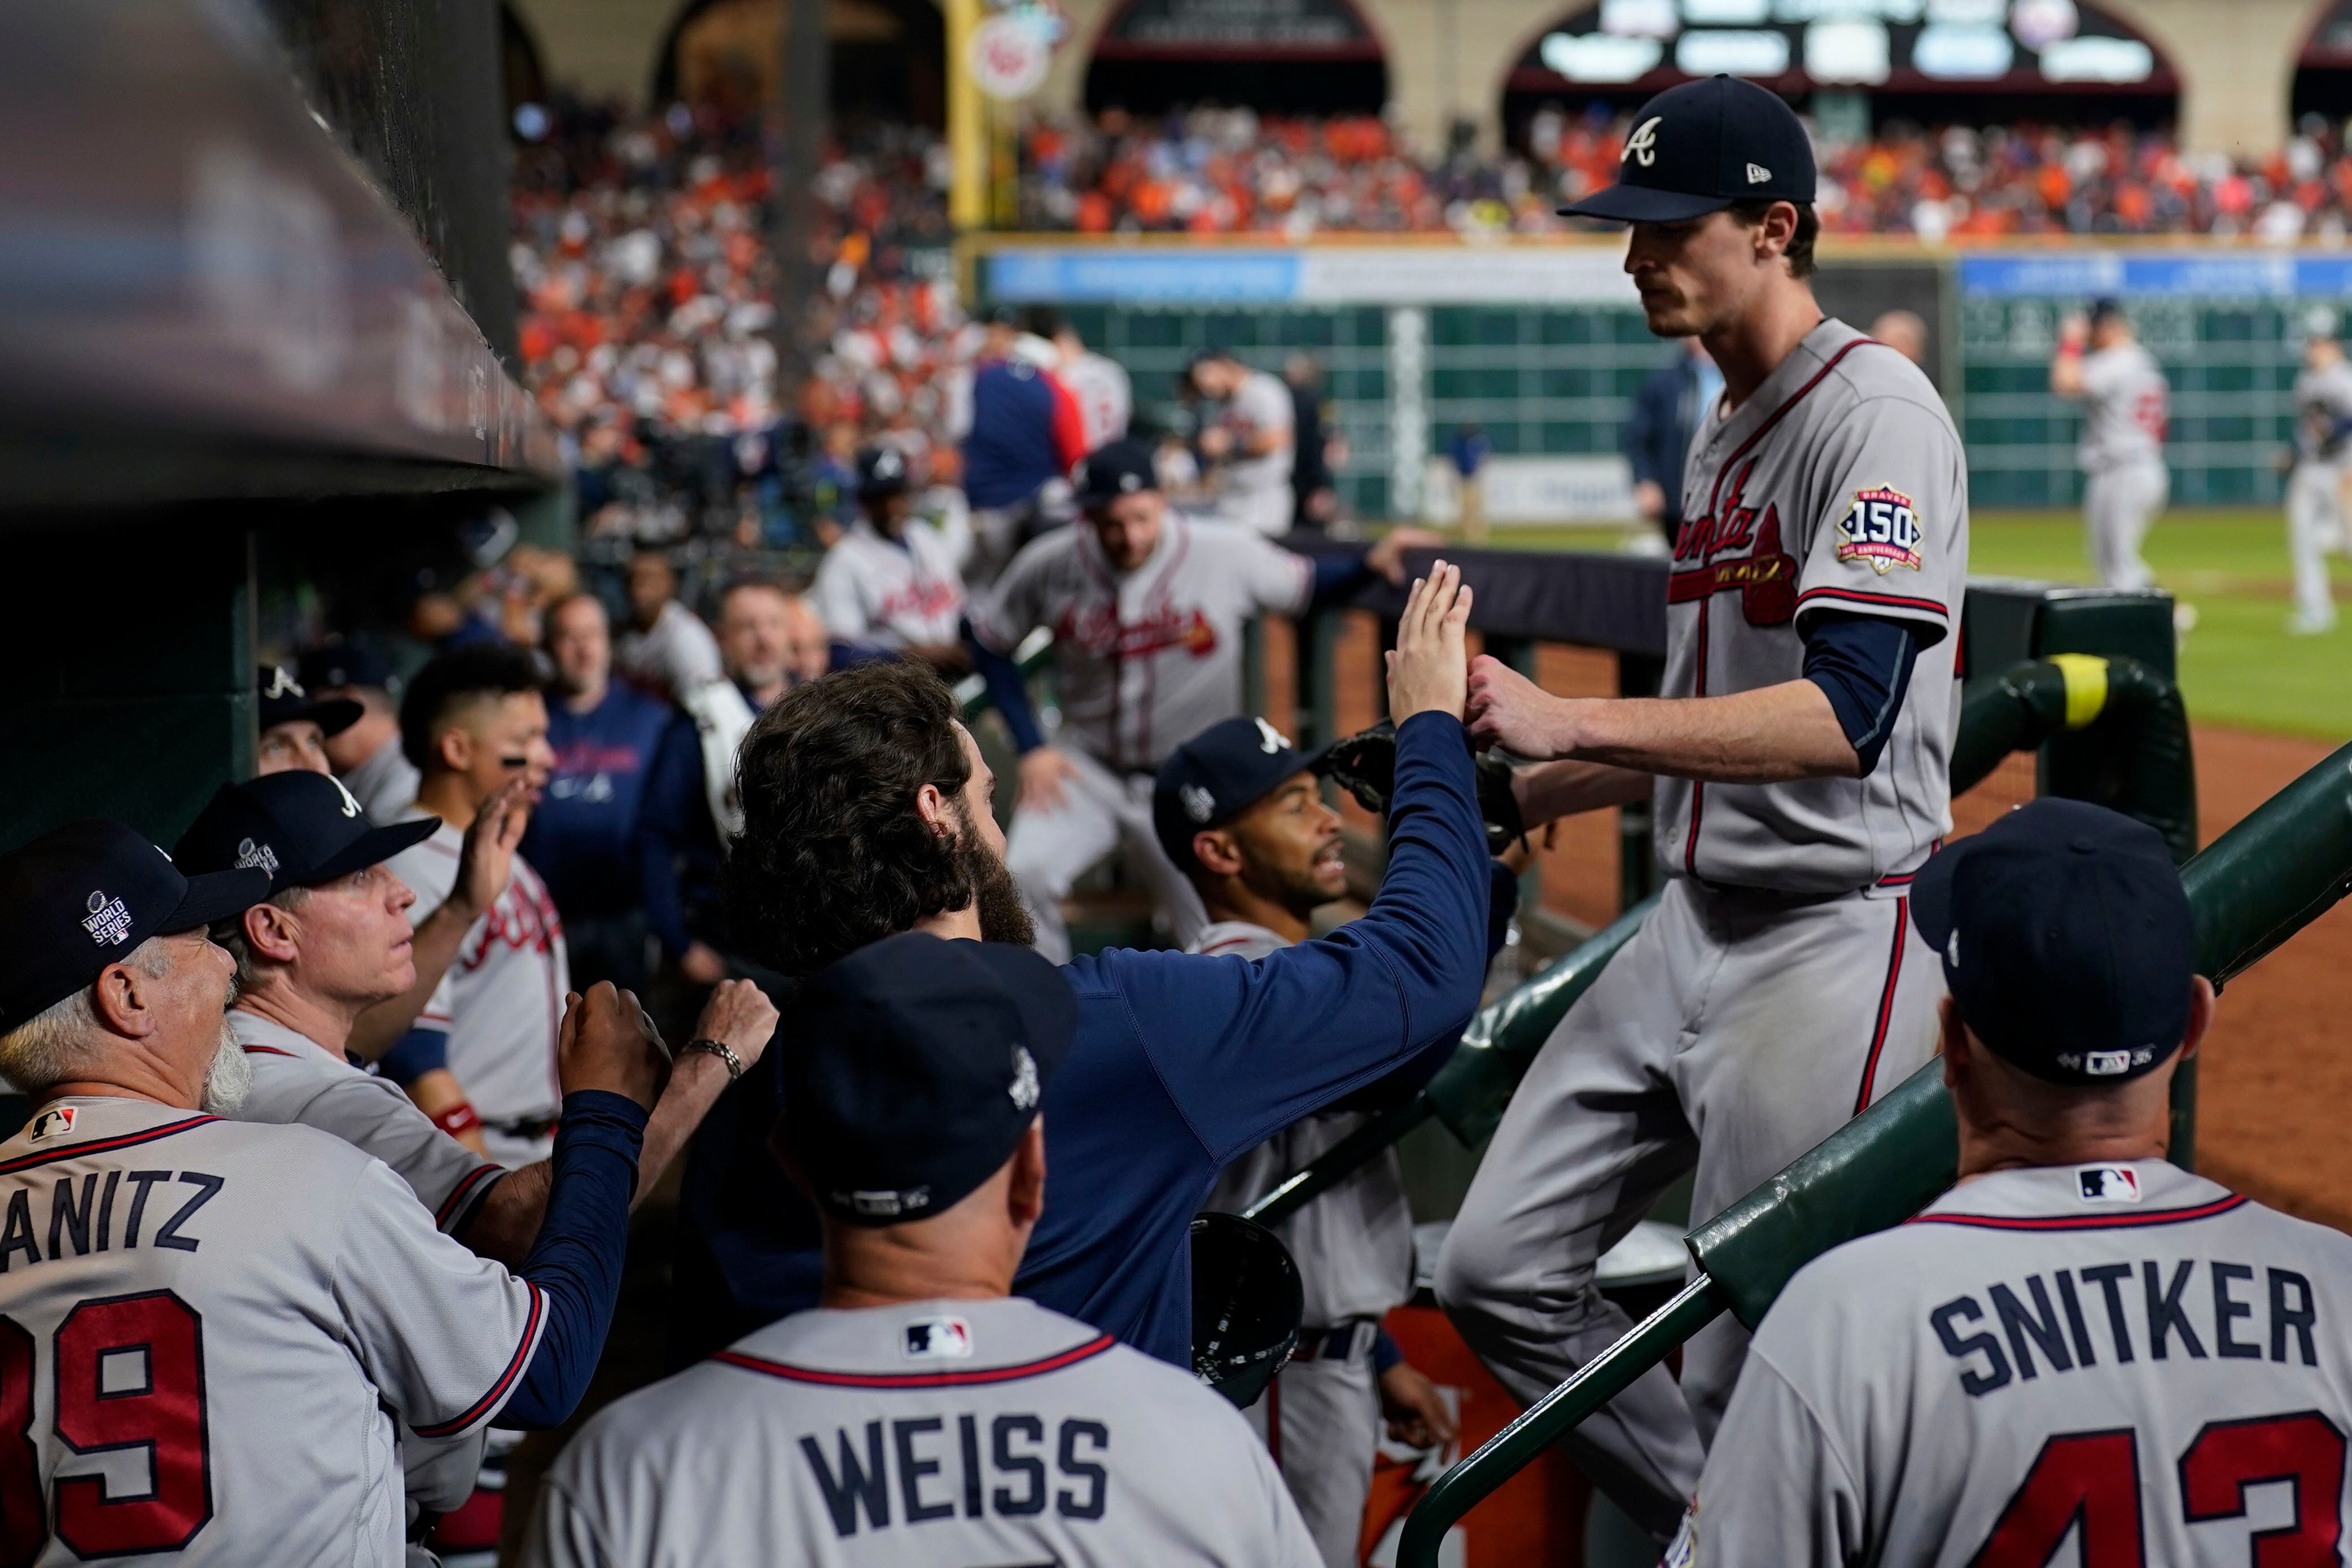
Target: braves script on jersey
(501,1002)
(1150,659)
(2125,1354)
(1838,485)
(207,1328)
(298,1082)
(873,591)
(2126,406)
(948,1432)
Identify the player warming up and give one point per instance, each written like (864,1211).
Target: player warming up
(920,1415)
(2315,486)
(2125,407)
(2078,1339)
(1798,765)
(1146,608)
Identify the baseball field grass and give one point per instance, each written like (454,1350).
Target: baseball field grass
(2238,666)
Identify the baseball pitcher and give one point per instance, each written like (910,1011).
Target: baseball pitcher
(2125,407)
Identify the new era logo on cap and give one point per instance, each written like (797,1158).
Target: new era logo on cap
(1758,175)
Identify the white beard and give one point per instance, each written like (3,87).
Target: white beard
(229,1078)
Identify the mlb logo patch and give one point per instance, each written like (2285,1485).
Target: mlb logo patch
(1881,526)
(2109,1184)
(939,1338)
(54,1122)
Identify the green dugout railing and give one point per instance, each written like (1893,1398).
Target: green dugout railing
(2256,885)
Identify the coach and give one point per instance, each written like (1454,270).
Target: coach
(866,811)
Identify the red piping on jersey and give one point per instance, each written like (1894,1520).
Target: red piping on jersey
(2087,1222)
(1055,1362)
(1706,606)
(266,1051)
(1904,878)
(100,1145)
(471,1179)
(1885,1004)
(490,1401)
(1885,601)
(1221,946)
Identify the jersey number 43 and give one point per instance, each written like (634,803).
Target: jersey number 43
(129,1375)
(2092,1478)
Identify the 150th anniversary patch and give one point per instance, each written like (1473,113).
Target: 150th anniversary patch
(1882,528)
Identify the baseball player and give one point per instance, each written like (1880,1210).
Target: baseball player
(295,726)
(2125,400)
(893,583)
(214,1334)
(1106,397)
(331,939)
(1248,440)
(1146,608)
(921,1416)
(366,756)
(2079,1339)
(1238,810)
(473,722)
(2314,487)
(1797,762)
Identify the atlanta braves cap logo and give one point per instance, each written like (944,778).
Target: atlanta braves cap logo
(1271,740)
(351,806)
(282,684)
(1642,147)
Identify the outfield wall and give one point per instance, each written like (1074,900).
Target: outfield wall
(1543,346)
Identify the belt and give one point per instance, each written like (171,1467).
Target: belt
(530,1129)
(1342,1341)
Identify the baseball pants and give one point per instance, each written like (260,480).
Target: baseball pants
(1321,1421)
(1736,1031)
(1101,812)
(2315,526)
(2118,505)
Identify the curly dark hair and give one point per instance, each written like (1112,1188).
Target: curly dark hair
(475,669)
(833,854)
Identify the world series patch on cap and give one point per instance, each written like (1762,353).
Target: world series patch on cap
(86,895)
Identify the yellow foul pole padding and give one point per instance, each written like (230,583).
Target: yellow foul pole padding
(968,137)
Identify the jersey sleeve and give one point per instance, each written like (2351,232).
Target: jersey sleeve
(373,1115)
(1275,581)
(838,603)
(1891,535)
(1265,404)
(444,1336)
(1775,1492)
(1007,612)
(2105,376)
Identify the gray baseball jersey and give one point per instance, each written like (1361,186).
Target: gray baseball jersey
(1145,661)
(869,590)
(2322,407)
(384,784)
(2124,1354)
(950,1433)
(1254,492)
(2126,405)
(1106,399)
(298,1082)
(210,1331)
(501,1003)
(1838,485)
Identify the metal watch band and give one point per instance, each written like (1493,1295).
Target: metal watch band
(723,1051)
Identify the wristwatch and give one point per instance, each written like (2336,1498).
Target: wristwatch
(723,1051)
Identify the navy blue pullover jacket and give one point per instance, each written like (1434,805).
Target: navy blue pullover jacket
(1181,1062)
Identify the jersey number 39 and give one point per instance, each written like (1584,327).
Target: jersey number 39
(2093,1478)
(130,1375)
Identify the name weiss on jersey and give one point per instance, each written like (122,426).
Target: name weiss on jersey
(939,1476)
(2075,1316)
(1881,526)
(81,1213)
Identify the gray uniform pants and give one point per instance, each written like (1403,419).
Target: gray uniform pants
(2118,505)
(1100,812)
(2315,526)
(1321,1421)
(1736,1031)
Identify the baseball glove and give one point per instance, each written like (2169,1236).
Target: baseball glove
(1364,765)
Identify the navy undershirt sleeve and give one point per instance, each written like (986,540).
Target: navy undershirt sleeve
(416,1053)
(1385,1352)
(1863,664)
(576,1261)
(1008,691)
(1335,576)
(1386,1094)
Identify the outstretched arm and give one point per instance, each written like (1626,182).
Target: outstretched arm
(1770,735)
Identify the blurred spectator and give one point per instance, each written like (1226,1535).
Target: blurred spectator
(1247,441)
(1903,332)
(295,725)
(1314,502)
(666,648)
(1667,409)
(1468,451)
(612,806)
(1026,434)
(365,754)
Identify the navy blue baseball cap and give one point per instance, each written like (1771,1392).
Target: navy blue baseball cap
(303,828)
(2066,939)
(86,895)
(285,700)
(1218,774)
(919,1064)
(881,472)
(1120,467)
(1697,148)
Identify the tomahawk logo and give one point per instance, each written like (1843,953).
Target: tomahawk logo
(1642,147)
